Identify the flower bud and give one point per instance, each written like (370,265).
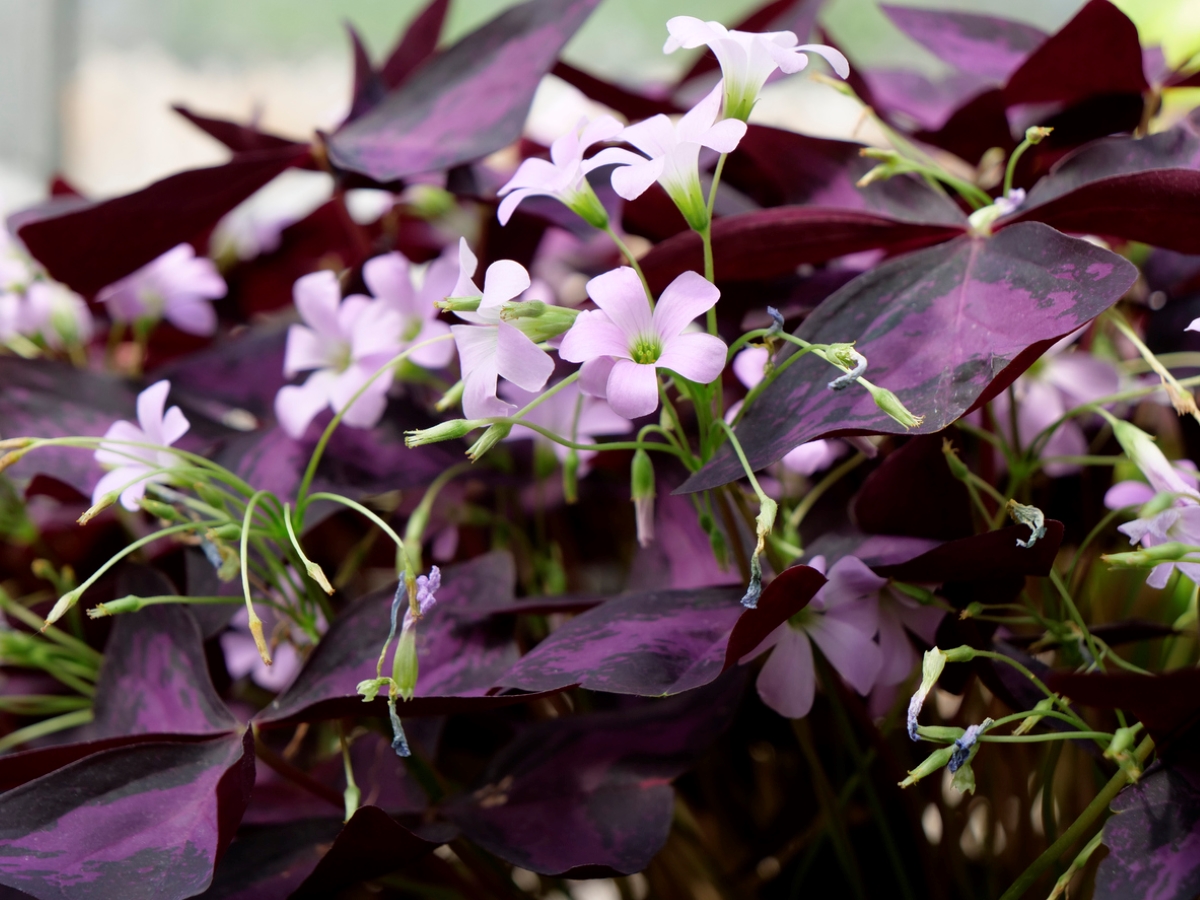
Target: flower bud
(214,497)
(260,642)
(890,404)
(1035,134)
(957,467)
(931,669)
(404,664)
(65,602)
(370,688)
(489,439)
(230,531)
(459,304)
(641,490)
(570,477)
(317,574)
(98,507)
(444,431)
(931,764)
(452,397)
(159,510)
(1148,557)
(543,321)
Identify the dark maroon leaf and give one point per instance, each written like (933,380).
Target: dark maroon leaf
(1145,189)
(984,45)
(268,862)
(591,795)
(1066,68)
(914,493)
(468,101)
(460,655)
(51,400)
(628,103)
(91,246)
(371,844)
(982,557)
(773,242)
(776,167)
(145,821)
(1167,704)
(938,327)
(650,644)
(787,594)
(1153,840)
(419,43)
(918,103)
(155,678)
(368,87)
(238,138)
(978,125)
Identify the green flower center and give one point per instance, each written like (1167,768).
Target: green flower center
(412,327)
(646,349)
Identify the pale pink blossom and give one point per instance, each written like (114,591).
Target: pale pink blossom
(562,176)
(134,465)
(490,347)
(177,286)
(343,347)
(673,151)
(809,458)
(747,59)
(390,279)
(243,659)
(842,620)
(55,314)
(632,343)
(570,414)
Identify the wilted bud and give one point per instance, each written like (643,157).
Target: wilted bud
(570,477)
(890,404)
(317,574)
(370,688)
(1030,516)
(65,602)
(260,642)
(444,431)
(641,490)
(98,507)
(931,669)
(1036,134)
(1028,723)
(404,664)
(845,356)
(931,764)
(964,777)
(489,439)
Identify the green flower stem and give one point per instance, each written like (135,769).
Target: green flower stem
(1029,713)
(778,370)
(1182,360)
(402,560)
(575,445)
(818,490)
(632,260)
(546,395)
(132,604)
(1103,736)
(415,529)
(1037,682)
(1078,829)
(44,728)
(690,460)
(1151,360)
(302,498)
(173,496)
(744,340)
(42,704)
(1011,168)
(741,455)
(706,239)
(1077,618)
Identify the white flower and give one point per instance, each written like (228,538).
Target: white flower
(133,462)
(747,59)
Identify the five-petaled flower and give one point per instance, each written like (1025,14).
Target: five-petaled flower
(631,343)
(747,59)
(673,149)
(491,347)
(390,280)
(345,346)
(141,450)
(563,175)
(177,286)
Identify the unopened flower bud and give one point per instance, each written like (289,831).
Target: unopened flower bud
(214,497)
(459,304)
(931,764)
(489,439)
(444,431)
(1123,739)
(452,397)
(890,404)
(571,477)
(317,574)
(1027,724)
(160,510)
(230,531)
(65,602)
(543,321)
(404,664)
(98,507)
(931,669)
(1036,134)
(642,491)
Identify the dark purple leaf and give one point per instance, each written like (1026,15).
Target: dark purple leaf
(918,103)
(419,43)
(1066,67)
(91,246)
(460,656)
(238,138)
(787,594)
(650,644)
(982,557)
(468,101)
(628,103)
(987,46)
(237,373)
(776,167)
(1153,840)
(155,678)
(269,862)
(773,242)
(145,821)
(914,493)
(1167,704)
(938,327)
(1145,189)
(591,795)
(51,400)
(368,87)
(978,125)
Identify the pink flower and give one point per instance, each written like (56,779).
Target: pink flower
(132,463)
(492,347)
(390,279)
(674,155)
(571,414)
(842,619)
(807,459)
(242,657)
(345,346)
(178,287)
(899,614)
(562,176)
(747,59)
(54,313)
(632,344)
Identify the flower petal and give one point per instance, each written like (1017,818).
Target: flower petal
(632,389)
(834,57)
(697,357)
(305,350)
(317,297)
(620,294)
(125,453)
(467,264)
(631,181)
(1128,493)
(504,280)
(389,278)
(150,403)
(688,296)
(297,405)
(593,375)
(700,118)
(725,136)
(435,356)
(117,479)
(592,335)
(750,365)
(520,360)
(855,655)
(509,204)
(788,682)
